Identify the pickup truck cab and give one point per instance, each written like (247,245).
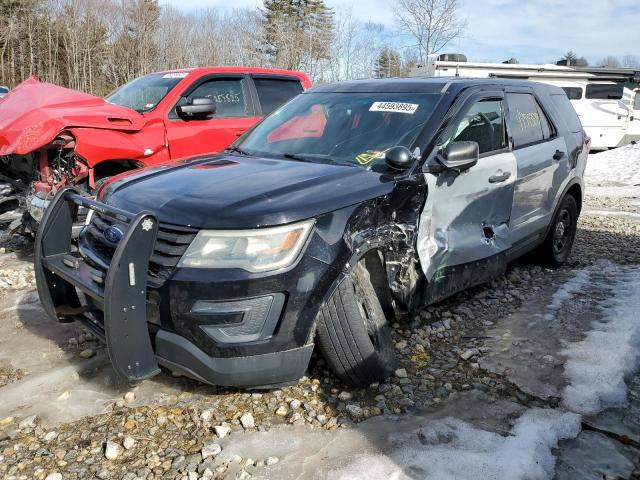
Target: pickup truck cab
(352,204)
(51,137)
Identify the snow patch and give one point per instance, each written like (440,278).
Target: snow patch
(616,167)
(597,366)
(453,449)
(572,287)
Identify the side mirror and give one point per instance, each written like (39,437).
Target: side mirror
(459,156)
(398,158)
(200,108)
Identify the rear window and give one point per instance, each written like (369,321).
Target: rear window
(273,92)
(567,111)
(573,93)
(604,91)
(525,123)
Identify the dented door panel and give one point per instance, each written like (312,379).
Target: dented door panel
(466,217)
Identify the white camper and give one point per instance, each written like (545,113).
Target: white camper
(605,99)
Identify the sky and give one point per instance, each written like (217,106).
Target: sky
(533,31)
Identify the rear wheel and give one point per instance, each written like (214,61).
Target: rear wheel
(353,333)
(557,245)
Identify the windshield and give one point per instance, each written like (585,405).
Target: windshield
(144,93)
(345,128)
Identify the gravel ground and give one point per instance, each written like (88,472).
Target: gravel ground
(438,348)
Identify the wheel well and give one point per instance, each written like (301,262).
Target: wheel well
(109,168)
(576,192)
(373,262)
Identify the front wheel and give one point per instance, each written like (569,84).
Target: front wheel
(353,334)
(557,245)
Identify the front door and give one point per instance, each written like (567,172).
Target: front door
(464,228)
(633,120)
(234,115)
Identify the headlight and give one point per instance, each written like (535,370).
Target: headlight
(257,250)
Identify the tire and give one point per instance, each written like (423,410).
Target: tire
(557,245)
(353,334)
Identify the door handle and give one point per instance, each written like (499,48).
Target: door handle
(558,155)
(499,177)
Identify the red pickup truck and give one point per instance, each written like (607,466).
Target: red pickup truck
(51,136)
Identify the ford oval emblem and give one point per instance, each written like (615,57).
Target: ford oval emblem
(113,234)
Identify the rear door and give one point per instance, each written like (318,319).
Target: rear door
(633,125)
(273,91)
(539,153)
(464,227)
(235,113)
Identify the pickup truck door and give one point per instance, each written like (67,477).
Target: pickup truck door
(235,113)
(464,230)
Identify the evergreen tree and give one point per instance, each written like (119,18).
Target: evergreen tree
(298,33)
(388,64)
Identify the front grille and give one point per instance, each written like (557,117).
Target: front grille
(171,243)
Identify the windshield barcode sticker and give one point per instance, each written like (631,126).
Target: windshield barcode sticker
(396,107)
(175,75)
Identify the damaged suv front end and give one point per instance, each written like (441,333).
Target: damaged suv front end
(351,204)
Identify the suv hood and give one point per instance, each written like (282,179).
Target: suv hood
(229,191)
(33,113)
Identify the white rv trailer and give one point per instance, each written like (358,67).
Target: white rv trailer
(607,100)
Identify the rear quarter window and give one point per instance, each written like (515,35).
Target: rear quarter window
(274,92)
(568,113)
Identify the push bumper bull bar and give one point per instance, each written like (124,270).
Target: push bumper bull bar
(113,303)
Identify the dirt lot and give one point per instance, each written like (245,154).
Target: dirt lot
(482,378)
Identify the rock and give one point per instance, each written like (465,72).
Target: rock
(129,397)
(271,461)
(345,396)
(161,420)
(87,353)
(467,354)
(221,431)
(401,345)
(282,411)
(206,415)
(210,449)
(247,421)
(295,404)
(401,373)
(112,450)
(50,437)
(54,476)
(354,410)
(128,442)
(29,422)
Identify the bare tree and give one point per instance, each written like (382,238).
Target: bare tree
(432,23)
(630,61)
(609,62)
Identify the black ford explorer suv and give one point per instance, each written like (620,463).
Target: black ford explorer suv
(351,204)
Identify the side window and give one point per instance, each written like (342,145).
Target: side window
(484,124)
(547,129)
(525,124)
(273,92)
(569,114)
(605,91)
(226,93)
(573,93)
(636,101)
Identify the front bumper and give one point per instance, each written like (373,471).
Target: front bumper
(115,306)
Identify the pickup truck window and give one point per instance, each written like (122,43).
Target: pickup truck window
(226,93)
(346,128)
(273,92)
(144,93)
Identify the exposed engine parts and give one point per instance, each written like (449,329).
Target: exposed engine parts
(28,182)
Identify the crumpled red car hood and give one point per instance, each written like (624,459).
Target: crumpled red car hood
(34,112)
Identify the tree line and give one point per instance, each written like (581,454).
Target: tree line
(97,45)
